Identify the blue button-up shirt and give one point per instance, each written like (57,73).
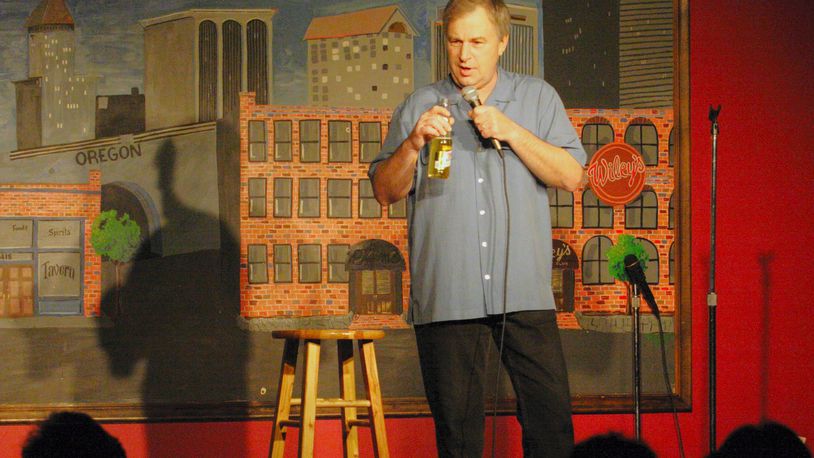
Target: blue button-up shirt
(457,226)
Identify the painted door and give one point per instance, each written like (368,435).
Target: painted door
(17,289)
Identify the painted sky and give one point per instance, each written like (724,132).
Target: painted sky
(110,42)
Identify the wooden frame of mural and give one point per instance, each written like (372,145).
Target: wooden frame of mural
(169,400)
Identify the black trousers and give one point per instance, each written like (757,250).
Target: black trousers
(453,354)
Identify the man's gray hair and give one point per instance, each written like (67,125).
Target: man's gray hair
(496,10)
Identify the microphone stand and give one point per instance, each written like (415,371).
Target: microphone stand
(637,362)
(712,297)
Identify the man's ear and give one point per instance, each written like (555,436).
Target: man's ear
(504,42)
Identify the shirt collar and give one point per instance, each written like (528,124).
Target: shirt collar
(503,91)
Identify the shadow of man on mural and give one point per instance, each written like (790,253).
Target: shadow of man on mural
(178,318)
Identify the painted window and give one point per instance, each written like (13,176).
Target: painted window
(258,265)
(595,136)
(339,198)
(309,198)
(595,213)
(651,273)
(397,209)
(368,206)
(643,212)
(257,141)
(310,263)
(282,197)
(337,259)
(643,136)
(257,197)
(282,263)
(309,140)
(207,71)
(282,141)
(561,206)
(257,60)
(370,140)
(595,261)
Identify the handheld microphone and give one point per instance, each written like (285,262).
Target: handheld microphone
(470,94)
(636,275)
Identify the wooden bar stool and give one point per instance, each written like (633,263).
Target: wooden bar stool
(347,403)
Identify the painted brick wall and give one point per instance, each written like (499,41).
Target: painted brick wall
(82,200)
(294,299)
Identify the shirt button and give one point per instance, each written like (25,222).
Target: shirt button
(487,277)
(483,244)
(480,180)
(482,212)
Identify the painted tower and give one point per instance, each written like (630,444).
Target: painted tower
(215,54)
(54,105)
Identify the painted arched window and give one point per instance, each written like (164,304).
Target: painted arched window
(257,60)
(642,135)
(594,212)
(596,134)
(595,261)
(671,221)
(671,146)
(672,263)
(561,205)
(643,212)
(232,65)
(207,71)
(651,273)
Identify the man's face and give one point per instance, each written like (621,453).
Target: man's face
(474,46)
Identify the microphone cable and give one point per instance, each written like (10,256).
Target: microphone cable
(470,94)
(505,289)
(669,388)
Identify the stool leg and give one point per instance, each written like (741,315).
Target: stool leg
(284,390)
(374,394)
(309,398)
(347,388)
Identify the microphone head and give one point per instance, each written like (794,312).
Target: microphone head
(631,260)
(470,94)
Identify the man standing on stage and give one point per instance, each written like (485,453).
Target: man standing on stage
(480,240)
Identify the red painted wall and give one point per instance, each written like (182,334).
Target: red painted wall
(754,58)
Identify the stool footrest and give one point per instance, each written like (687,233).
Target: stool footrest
(292,423)
(351,423)
(358,422)
(335,402)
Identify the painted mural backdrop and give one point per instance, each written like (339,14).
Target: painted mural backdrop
(233,137)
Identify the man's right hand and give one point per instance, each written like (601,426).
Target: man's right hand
(435,122)
(394,175)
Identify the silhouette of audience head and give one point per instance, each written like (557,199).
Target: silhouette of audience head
(71,434)
(767,439)
(611,445)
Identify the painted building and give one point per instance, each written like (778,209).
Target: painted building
(119,114)
(54,105)
(308,216)
(582,35)
(47,264)
(307,207)
(215,54)
(585,227)
(360,59)
(626,44)
(645,53)
(165,179)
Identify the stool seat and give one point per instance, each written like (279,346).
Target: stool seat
(328,334)
(346,403)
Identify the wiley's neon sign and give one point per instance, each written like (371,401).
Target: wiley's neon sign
(616,173)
